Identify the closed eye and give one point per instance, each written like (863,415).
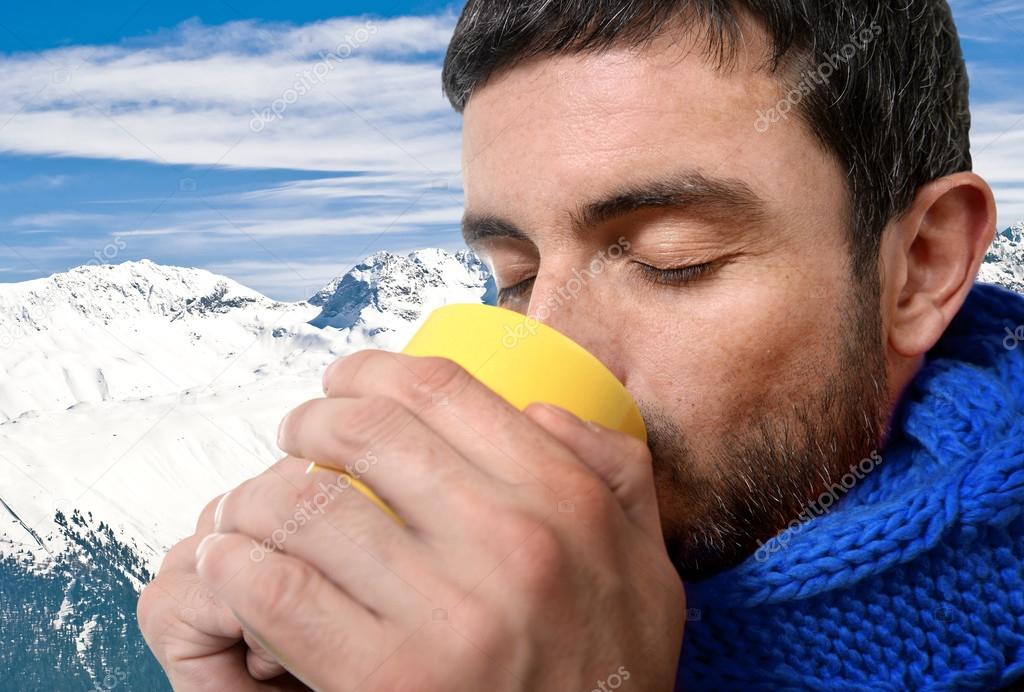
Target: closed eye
(675,276)
(515,291)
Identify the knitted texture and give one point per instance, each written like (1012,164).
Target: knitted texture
(914,578)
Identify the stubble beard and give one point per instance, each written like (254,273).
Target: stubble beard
(766,472)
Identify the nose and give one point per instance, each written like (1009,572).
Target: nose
(572,302)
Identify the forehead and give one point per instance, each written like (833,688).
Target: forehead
(555,130)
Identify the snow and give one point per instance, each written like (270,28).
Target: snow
(85,636)
(1004,262)
(102,333)
(386,293)
(66,608)
(138,391)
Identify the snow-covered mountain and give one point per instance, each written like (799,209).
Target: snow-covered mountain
(110,365)
(129,396)
(1004,262)
(118,333)
(381,296)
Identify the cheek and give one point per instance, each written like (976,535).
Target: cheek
(712,357)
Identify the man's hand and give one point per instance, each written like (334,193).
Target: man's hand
(197,640)
(530,554)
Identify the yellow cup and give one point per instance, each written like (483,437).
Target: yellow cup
(523,361)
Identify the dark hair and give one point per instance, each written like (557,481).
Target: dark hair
(894,114)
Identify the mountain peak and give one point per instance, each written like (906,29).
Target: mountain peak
(387,292)
(104,292)
(1004,261)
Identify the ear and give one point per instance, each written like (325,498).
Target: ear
(930,258)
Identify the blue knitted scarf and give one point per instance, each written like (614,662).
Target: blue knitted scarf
(913,579)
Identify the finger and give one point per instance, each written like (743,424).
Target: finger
(208,516)
(192,634)
(385,446)
(261,663)
(177,599)
(312,627)
(320,519)
(471,417)
(204,524)
(620,460)
(623,465)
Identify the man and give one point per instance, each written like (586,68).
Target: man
(836,458)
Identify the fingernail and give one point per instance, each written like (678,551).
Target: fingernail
(280,430)
(218,513)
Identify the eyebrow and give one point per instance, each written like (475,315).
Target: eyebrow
(718,201)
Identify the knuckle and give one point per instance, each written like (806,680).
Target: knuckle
(293,424)
(634,448)
(230,508)
(181,556)
(345,369)
(469,501)
(329,381)
(319,500)
(438,467)
(370,417)
(482,623)
(314,496)
(363,529)
(161,604)
(436,378)
(280,587)
(146,610)
(537,564)
(219,564)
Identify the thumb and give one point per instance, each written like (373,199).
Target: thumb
(622,461)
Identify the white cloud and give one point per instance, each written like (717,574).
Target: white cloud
(371,117)
(370,98)
(989,21)
(255,224)
(36,182)
(997,145)
(57,219)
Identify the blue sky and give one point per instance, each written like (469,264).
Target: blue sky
(133,129)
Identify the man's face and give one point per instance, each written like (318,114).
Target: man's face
(627,199)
